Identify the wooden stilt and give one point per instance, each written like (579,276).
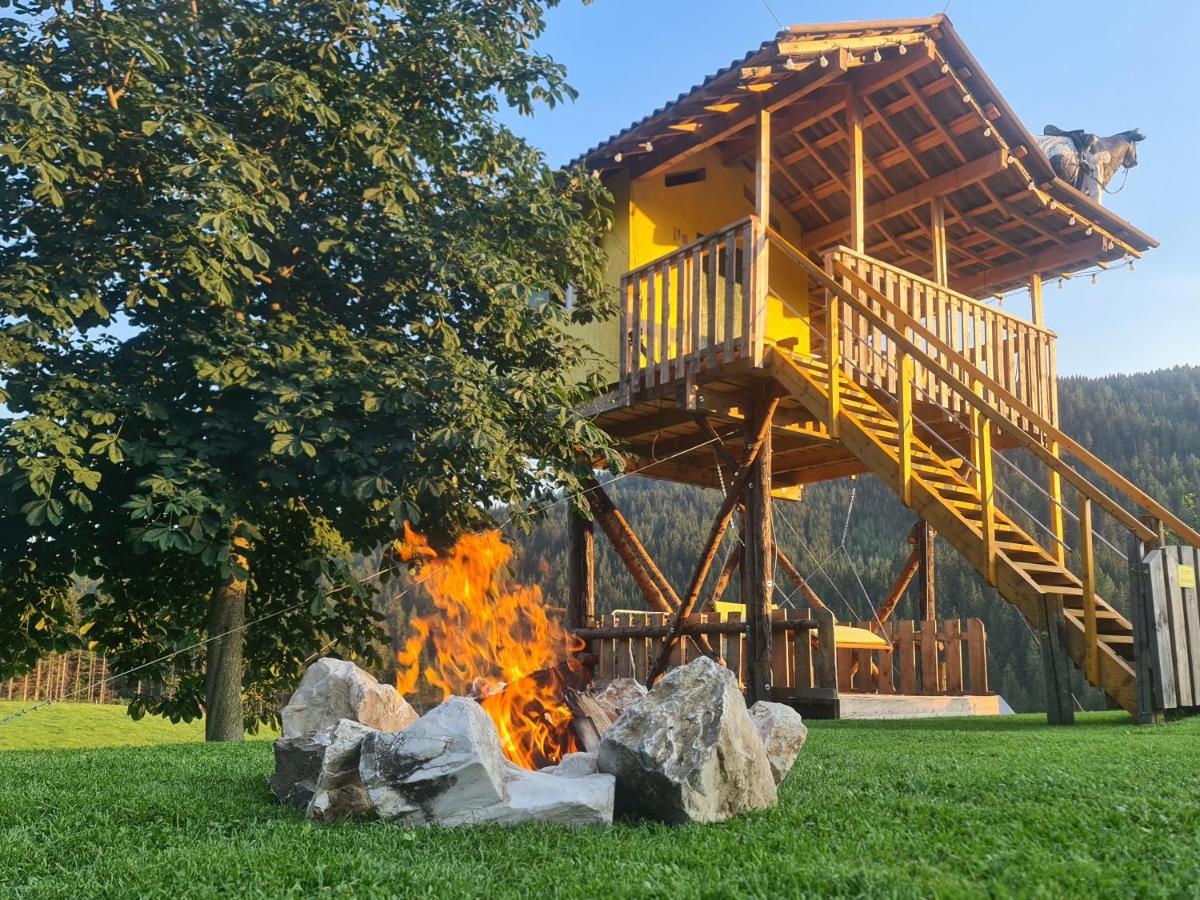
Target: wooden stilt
(732,561)
(758,559)
(716,533)
(653,585)
(1060,708)
(581,571)
(927,585)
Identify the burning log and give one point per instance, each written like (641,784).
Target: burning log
(589,721)
(534,716)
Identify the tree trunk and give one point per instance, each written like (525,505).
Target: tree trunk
(224,719)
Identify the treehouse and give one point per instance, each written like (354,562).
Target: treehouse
(811,247)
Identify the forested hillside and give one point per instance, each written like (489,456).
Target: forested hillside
(1146,425)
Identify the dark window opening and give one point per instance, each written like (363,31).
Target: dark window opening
(692,176)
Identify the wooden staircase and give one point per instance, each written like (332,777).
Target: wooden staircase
(949,499)
(957,496)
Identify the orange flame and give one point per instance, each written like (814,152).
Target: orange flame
(488,640)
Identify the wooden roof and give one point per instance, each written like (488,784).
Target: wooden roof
(934,124)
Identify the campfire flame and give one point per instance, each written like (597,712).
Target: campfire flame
(489,640)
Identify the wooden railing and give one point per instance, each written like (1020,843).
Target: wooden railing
(1017,354)
(807,664)
(79,676)
(693,309)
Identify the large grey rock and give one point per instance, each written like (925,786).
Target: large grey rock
(335,689)
(783,734)
(573,765)
(618,695)
(448,769)
(339,791)
(541,797)
(297,767)
(688,751)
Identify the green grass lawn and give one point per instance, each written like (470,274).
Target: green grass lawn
(950,807)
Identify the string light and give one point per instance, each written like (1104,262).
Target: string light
(1093,278)
(877,56)
(824,62)
(1060,284)
(1071,221)
(903,49)
(1090,229)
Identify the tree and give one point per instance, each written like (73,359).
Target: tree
(266,272)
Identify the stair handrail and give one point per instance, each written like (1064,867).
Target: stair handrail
(1064,442)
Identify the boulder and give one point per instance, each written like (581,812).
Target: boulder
(688,751)
(297,767)
(783,734)
(573,765)
(540,797)
(447,767)
(618,695)
(339,792)
(335,689)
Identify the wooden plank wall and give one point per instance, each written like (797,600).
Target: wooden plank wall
(1173,621)
(924,658)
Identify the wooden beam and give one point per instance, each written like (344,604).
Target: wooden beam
(1060,706)
(903,578)
(814,78)
(927,585)
(1052,260)
(716,533)
(854,149)
(1035,300)
(937,231)
(946,183)
(581,570)
(801,583)
(758,560)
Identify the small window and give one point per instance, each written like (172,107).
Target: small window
(692,176)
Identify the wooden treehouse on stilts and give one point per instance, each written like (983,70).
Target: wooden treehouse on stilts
(808,247)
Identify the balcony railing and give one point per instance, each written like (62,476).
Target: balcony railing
(693,310)
(1016,353)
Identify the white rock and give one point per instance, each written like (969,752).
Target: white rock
(339,792)
(573,765)
(539,797)
(688,751)
(783,733)
(447,767)
(335,689)
(618,695)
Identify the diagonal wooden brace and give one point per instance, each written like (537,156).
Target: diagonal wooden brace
(716,533)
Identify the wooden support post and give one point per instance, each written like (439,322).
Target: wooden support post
(854,144)
(937,228)
(905,396)
(1087,563)
(657,592)
(581,571)
(977,656)
(1036,313)
(732,561)
(1149,709)
(1060,707)
(987,489)
(1057,528)
(758,559)
(927,584)
(761,258)
(833,353)
(754,445)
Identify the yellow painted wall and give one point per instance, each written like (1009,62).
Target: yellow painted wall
(651,220)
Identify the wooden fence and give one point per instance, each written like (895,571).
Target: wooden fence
(923,658)
(81,676)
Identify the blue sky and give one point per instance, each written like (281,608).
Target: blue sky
(1099,65)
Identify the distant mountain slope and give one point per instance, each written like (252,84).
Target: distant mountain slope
(1146,425)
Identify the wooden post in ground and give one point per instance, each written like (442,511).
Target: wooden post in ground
(1060,707)
(581,571)
(758,559)
(926,572)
